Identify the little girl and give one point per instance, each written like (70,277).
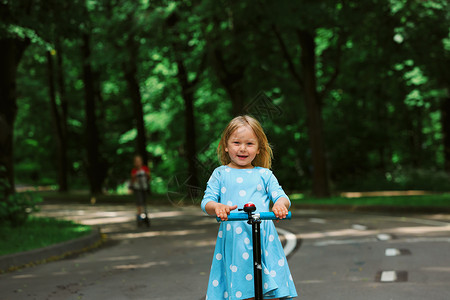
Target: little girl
(245,177)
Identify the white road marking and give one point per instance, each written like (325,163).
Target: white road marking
(374,240)
(425,222)
(425,239)
(359,227)
(384,237)
(392,252)
(291,241)
(345,242)
(317,220)
(388,276)
(412,220)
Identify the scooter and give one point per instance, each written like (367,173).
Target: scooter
(255,220)
(143,218)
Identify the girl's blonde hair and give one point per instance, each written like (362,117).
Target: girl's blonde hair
(263,159)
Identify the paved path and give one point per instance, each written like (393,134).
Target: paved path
(342,256)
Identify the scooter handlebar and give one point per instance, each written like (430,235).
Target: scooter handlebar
(262,216)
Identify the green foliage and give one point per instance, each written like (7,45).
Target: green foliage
(381,115)
(406,178)
(17,207)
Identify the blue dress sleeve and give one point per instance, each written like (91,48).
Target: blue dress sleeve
(275,190)
(212,192)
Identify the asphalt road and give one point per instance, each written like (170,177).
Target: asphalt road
(339,255)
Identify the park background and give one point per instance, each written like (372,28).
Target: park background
(353,95)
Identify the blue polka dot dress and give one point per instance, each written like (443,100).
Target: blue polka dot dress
(231,274)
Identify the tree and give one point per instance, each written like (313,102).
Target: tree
(130,74)
(305,75)
(226,50)
(96,167)
(59,118)
(180,50)
(12,48)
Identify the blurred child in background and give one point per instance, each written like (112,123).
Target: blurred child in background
(140,177)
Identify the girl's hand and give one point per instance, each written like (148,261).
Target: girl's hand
(222,211)
(280,210)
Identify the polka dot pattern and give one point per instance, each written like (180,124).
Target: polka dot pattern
(232,269)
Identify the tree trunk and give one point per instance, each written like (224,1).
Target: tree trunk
(413,120)
(307,81)
(57,124)
(11,51)
(95,168)
(231,81)
(445,121)
(187,91)
(130,74)
(314,115)
(63,160)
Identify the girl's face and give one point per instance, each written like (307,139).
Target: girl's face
(242,147)
(138,162)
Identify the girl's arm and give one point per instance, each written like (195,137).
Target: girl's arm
(220,210)
(281,202)
(147,172)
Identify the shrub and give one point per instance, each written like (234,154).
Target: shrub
(16,208)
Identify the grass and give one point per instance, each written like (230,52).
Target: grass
(37,233)
(431,200)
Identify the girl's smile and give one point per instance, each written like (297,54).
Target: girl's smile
(242,147)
